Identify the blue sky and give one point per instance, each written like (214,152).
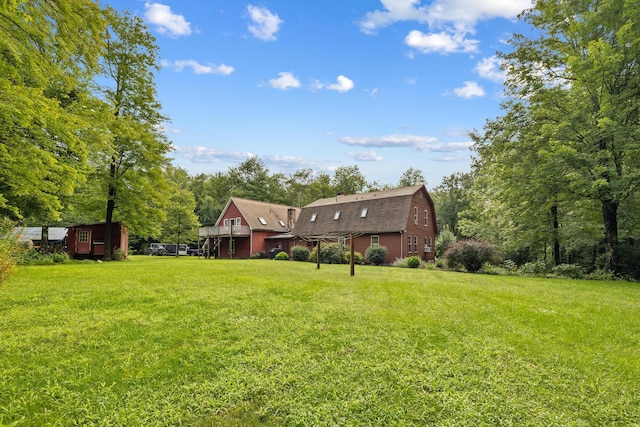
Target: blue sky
(385,85)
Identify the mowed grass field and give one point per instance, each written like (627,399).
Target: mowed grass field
(166,341)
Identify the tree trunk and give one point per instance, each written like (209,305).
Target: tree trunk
(111,205)
(556,232)
(610,219)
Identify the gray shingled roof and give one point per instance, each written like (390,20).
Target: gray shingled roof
(253,210)
(386,212)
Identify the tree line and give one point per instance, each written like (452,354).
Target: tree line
(554,177)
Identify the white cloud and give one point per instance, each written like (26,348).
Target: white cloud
(472,11)
(343,84)
(441,11)
(201,154)
(394,141)
(285,81)
(198,68)
(469,90)
(165,21)
(394,11)
(287,162)
(489,68)
(448,21)
(417,142)
(442,42)
(365,156)
(264,24)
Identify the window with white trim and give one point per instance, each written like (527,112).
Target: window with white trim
(281,222)
(415,244)
(363,213)
(313,217)
(262,220)
(83,236)
(336,216)
(408,244)
(426,218)
(341,241)
(415,215)
(375,240)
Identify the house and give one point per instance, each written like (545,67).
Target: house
(54,237)
(402,219)
(246,227)
(87,240)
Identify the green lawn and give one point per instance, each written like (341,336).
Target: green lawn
(165,341)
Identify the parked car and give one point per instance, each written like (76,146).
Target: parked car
(193,251)
(157,249)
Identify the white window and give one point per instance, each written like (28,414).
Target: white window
(341,241)
(364,212)
(83,236)
(408,244)
(415,215)
(313,217)
(238,222)
(225,222)
(282,223)
(375,240)
(426,218)
(415,244)
(262,220)
(336,216)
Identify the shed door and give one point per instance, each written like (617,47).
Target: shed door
(83,242)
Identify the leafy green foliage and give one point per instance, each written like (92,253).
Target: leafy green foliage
(281,256)
(331,253)
(358,258)
(413,262)
(300,253)
(376,254)
(471,254)
(444,239)
(8,249)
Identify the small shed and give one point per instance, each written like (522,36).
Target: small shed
(87,240)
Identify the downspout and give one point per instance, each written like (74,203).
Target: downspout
(250,242)
(401,244)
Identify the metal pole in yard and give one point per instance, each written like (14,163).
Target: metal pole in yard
(353,250)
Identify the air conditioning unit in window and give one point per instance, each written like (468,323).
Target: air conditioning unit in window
(427,248)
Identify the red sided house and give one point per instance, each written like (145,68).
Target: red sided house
(402,219)
(246,227)
(87,240)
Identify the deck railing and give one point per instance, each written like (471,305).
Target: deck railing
(221,231)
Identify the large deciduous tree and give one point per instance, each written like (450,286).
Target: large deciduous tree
(577,85)
(131,166)
(49,51)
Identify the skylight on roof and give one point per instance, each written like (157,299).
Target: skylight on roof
(336,215)
(262,220)
(282,223)
(364,212)
(313,217)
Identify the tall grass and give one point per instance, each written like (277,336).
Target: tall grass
(165,341)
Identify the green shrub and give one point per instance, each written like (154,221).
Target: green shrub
(444,239)
(358,258)
(281,256)
(300,253)
(258,255)
(413,262)
(331,253)
(571,271)
(535,268)
(376,254)
(601,275)
(62,257)
(313,255)
(8,248)
(471,254)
